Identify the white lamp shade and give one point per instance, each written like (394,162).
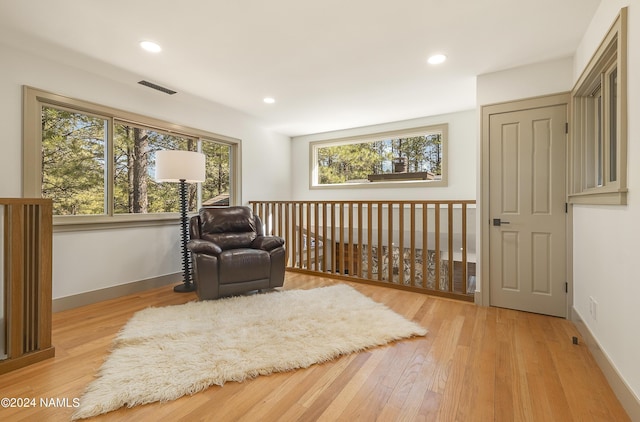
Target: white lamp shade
(174,165)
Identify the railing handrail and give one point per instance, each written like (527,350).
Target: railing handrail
(25,201)
(376,201)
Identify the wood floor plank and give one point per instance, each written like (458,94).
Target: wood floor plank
(478,384)
(403,395)
(475,364)
(377,390)
(452,394)
(338,406)
(333,391)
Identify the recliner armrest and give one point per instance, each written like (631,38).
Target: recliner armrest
(267,243)
(204,246)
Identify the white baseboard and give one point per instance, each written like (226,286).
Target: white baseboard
(625,395)
(87,298)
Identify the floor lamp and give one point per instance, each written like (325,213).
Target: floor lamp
(181,167)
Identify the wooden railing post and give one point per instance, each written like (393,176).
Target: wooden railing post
(27,273)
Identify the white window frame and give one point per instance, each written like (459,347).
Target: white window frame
(33,101)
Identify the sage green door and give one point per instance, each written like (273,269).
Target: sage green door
(527,152)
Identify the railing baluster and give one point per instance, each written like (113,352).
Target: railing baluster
(270,206)
(359,269)
(287,234)
(380,266)
(412,248)
(334,244)
(316,239)
(436,232)
(341,237)
(425,245)
(325,244)
(464,248)
(329,236)
(401,243)
(309,235)
(294,235)
(280,210)
(450,244)
(390,241)
(369,238)
(301,241)
(350,255)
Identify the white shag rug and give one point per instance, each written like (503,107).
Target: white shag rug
(164,353)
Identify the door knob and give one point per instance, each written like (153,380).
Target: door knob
(498,222)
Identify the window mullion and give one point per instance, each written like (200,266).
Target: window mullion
(109,168)
(606,112)
(612,126)
(199,185)
(599,135)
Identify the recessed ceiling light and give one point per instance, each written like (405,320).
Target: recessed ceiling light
(150,46)
(437,59)
(269,100)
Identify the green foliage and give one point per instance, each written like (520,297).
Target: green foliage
(343,163)
(354,162)
(135,189)
(217,170)
(74,171)
(73,152)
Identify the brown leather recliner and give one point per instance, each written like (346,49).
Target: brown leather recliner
(231,255)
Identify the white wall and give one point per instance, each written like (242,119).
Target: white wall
(537,79)
(86,261)
(606,237)
(461,162)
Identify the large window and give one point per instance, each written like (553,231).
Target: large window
(414,156)
(97,163)
(599,124)
(74,159)
(135,189)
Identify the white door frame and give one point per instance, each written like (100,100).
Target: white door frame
(483,296)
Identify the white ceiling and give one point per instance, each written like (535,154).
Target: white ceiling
(330,64)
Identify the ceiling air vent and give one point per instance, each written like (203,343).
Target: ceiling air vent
(157,87)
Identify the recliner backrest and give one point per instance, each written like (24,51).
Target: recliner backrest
(229,228)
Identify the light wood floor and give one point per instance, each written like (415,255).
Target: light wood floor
(475,364)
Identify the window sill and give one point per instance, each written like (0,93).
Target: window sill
(385,184)
(615,197)
(73,223)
